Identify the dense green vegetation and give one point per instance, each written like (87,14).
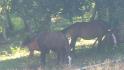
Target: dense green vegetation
(20,19)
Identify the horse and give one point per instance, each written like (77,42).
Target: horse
(86,30)
(55,41)
(31,44)
(46,41)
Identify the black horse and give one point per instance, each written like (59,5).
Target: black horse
(55,41)
(86,30)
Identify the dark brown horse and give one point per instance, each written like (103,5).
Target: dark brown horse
(86,30)
(55,41)
(46,41)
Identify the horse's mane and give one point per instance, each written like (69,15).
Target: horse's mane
(66,29)
(71,26)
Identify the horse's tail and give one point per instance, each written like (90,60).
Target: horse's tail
(114,36)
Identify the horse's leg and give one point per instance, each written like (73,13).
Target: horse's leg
(115,39)
(43,59)
(100,47)
(31,54)
(59,60)
(73,43)
(68,55)
(100,41)
(95,42)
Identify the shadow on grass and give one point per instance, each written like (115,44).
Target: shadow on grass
(84,57)
(19,63)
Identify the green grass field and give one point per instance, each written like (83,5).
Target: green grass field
(16,58)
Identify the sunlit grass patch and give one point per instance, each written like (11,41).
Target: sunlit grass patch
(86,43)
(16,58)
(13,53)
(18,63)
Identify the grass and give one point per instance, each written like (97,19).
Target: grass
(13,53)
(87,43)
(16,58)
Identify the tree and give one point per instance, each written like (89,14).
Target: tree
(5,18)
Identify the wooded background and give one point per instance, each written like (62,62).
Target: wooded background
(24,18)
(21,19)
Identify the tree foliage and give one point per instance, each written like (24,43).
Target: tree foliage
(36,15)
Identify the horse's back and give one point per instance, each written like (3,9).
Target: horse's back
(93,25)
(86,29)
(52,39)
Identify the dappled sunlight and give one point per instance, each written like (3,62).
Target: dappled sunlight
(82,42)
(1,9)
(1,29)
(16,60)
(16,52)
